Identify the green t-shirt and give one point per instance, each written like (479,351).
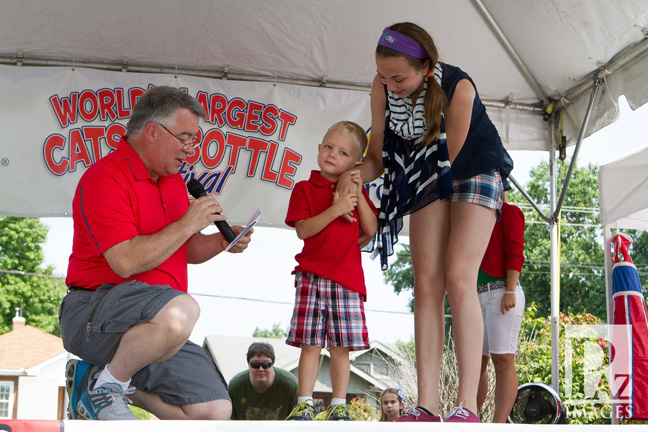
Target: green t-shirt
(275,404)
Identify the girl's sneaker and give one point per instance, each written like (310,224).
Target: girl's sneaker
(462,415)
(418,414)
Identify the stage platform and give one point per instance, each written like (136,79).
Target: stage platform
(276,426)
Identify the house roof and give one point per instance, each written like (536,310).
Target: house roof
(25,346)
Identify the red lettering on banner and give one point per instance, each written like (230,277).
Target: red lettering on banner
(107,105)
(235,142)
(253,115)
(212,136)
(288,168)
(195,156)
(65,109)
(121,111)
(249,116)
(268,174)
(88,105)
(218,105)
(269,116)
(134,94)
(53,142)
(201,97)
(78,151)
(287,120)
(84,144)
(235,113)
(94,135)
(113,135)
(255,146)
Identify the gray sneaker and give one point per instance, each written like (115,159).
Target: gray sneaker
(107,402)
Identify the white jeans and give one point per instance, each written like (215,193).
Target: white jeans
(501,331)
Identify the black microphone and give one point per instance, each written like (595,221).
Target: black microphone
(197,190)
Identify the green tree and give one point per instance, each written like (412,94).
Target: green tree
(275,333)
(582,283)
(21,259)
(400,273)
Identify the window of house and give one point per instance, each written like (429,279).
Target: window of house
(364,367)
(382,369)
(6,394)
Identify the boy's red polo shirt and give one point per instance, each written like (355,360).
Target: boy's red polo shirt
(333,253)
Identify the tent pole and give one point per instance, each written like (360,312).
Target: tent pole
(581,137)
(555,264)
(531,201)
(607,259)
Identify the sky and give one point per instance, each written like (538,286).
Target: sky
(240,292)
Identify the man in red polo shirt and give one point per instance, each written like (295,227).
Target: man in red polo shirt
(127,314)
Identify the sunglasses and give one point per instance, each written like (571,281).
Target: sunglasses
(264,365)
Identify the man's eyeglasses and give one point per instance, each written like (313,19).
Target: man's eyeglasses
(185,145)
(264,365)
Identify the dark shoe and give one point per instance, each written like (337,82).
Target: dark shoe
(418,414)
(338,413)
(462,415)
(302,411)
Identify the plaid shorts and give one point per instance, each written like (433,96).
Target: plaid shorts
(326,312)
(483,189)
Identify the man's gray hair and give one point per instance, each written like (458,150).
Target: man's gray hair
(158,105)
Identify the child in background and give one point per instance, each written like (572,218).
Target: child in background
(329,281)
(391,404)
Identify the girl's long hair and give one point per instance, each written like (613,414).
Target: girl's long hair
(435,100)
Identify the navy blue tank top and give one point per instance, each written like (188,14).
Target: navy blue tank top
(483,149)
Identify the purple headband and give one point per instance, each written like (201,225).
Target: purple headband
(401,43)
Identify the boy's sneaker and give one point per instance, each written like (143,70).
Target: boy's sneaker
(338,413)
(418,414)
(462,415)
(302,411)
(103,403)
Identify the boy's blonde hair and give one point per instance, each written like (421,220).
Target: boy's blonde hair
(355,130)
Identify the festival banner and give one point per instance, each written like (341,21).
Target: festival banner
(259,139)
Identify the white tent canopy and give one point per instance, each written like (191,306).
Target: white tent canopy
(623,200)
(623,191)
(521,53)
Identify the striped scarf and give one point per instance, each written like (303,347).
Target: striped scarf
(415,174)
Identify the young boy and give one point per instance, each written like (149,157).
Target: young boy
(329,280)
